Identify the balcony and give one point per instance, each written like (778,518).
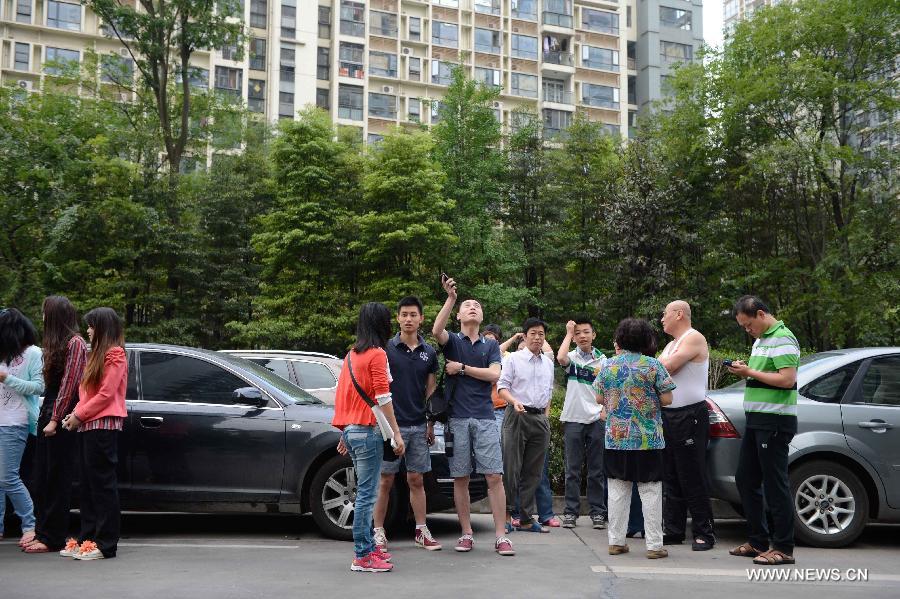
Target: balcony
(383,113)
(354,71)
(553,134)
(488,7)
(557,96)
(487,48)
(354,28)
(599,102)
(523,15)
(352,113)
(383,31)
(442,79)
(556,19)
(565,59)
(632,64)
(603,66)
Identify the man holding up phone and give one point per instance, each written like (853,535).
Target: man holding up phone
(473,366)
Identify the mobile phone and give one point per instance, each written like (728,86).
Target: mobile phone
(444,277)
(727,362)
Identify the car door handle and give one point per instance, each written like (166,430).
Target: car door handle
(876,426)
(151,421)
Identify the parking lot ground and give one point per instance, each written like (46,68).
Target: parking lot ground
(174,556)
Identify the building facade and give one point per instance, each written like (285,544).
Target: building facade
(376,64)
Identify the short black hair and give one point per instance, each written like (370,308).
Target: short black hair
(373,328)
(494,329)
(582,319)
(532,322)
(749,305)
(636,335)
(411,300)
(17,333)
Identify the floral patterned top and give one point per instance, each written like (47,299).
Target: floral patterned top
(629,386)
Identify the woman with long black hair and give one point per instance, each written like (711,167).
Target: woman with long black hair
(98,418)
(65,352)
(21,384)
(361,435)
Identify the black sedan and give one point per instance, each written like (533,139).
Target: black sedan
(209,432)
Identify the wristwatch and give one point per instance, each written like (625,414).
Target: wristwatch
(462,370)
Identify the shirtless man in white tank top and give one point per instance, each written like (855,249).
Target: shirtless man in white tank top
(686,428)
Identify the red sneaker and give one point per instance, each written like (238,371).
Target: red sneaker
(382,555)
(465,543)
(370,563)
(425,540)
(504,546)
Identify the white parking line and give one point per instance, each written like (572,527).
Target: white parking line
(639,571)
(209,545)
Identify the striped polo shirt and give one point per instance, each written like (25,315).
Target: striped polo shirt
(768,407)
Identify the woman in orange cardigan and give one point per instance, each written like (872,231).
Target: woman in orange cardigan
(98,418)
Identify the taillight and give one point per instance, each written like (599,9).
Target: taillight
(720,426)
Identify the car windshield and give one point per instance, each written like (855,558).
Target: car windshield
(286,389)
(805,362)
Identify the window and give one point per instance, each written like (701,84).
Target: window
(415,69)
(414,110)
(488,77)
(611,129)
(22,54)
(445,34)
(524,46)
(325,22)
(600,20)
(258,54)
(632,89)
(231,52)
(675,18)
(441,72)
(631,52)
(183,379)
(289,19)
(450,3)
(23,11)
(554,90)
(229,80)
(256,95)
(415,29)
(258,10)
(600,58)
(323,63)
(487,40)
(382,64)
(555,122)
(524,85)
(382,23)
(350,102)
(556,50)
(323,98)
(673,52)
(279,367)
(558,13)
(383,106)
(116,69)
(131,386)
(730,8)
(286,70)
(351,64)
(881,384)
(488,7)
(197,77)
(63,15)
(602,96)
(830,388)
(62,57)
(353,18)
(437,109)
(285,104)
(313,375)
(524,9)
(374,139)
(628,16)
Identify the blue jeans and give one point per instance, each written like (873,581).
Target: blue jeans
(12,446)
(543,496)
(366,448)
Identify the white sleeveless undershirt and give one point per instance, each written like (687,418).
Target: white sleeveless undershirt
(691,379)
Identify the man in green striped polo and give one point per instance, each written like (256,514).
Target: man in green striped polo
(770,405)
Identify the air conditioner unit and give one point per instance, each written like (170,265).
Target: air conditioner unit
(25,84)
(497,105)
(387,89)
(120,97)
(577,37)
(406,51)
(123,52)
(492,25)
(515,30)
(492,65)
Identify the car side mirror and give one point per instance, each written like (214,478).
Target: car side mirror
(249,395)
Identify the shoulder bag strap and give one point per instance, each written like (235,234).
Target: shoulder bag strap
(362,393)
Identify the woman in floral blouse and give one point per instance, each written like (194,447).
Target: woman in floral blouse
(633,386)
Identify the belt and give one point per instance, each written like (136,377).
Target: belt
(532,410)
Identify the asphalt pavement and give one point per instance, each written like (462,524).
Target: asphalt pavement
(168,556)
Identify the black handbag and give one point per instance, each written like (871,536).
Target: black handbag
(388,454)
(437,405)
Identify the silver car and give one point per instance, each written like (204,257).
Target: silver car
(313,372)
(845,459)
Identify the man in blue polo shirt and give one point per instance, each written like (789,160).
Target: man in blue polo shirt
(473,366)
(413,364)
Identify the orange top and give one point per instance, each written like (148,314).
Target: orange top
(108,399)
(372,373)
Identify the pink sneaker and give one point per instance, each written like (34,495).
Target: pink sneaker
(382,555)
(465,543)
(504,546)
(370,563)
(553,522)
(425,540)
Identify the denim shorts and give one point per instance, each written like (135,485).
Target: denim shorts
(478,439)
(418,453)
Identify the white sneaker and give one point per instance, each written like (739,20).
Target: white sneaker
(89,551)
(71,549)
(380,538)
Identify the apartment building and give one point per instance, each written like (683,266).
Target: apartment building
(376,64)
(734,11)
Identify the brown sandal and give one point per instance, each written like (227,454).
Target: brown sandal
(773,558)
(745,550)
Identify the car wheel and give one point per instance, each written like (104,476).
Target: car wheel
(831,506)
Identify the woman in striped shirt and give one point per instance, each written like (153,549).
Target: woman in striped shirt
(98,418)
(65,352)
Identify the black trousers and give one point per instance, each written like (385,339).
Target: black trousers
(524,440)
(53,471)
(100,517)
(685,482)
(763,469)
(585,441)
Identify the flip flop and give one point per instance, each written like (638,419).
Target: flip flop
(24,542)
(37,547)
